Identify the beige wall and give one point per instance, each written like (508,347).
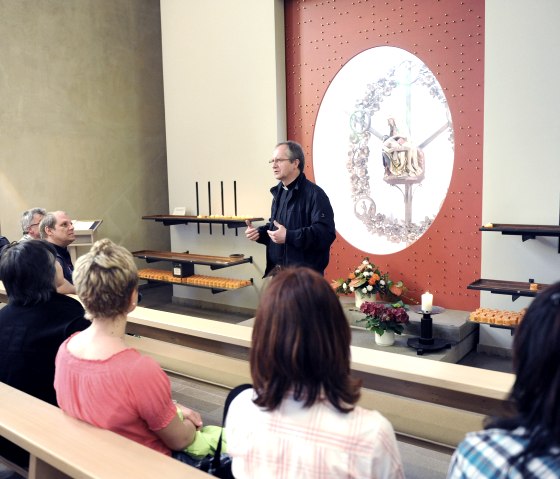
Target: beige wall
(82,119)
(222,116)
(223,64)
(521,166)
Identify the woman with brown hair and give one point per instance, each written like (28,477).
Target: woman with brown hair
(301,418)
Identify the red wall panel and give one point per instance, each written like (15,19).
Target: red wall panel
(448,36)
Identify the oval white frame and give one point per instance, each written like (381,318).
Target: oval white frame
(375,85)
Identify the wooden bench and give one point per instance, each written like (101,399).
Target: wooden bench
(429,402)
(61,446)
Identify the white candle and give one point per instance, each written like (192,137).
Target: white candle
(427,300)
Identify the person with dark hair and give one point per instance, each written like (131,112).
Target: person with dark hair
(33,325)
(102,381)
(4,242)
(301,419)
(526,443)
(301,226)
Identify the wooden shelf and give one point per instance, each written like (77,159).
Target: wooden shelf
(185,276)
(215,262)
(183,263)
(526,232)
(194,281)
(230,221)
(497,326)
(513,288)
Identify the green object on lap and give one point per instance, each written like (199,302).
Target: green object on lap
(206,442)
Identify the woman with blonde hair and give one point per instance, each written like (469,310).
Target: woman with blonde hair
(102,381)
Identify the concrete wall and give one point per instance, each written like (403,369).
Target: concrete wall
(223,65)
(82,120)
(222,117)
(83,125)
(521,165)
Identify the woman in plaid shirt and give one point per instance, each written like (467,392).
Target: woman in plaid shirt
(526,445)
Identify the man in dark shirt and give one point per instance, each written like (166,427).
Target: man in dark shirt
(301,227)
(57,228)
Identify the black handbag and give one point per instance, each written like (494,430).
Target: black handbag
(220,465)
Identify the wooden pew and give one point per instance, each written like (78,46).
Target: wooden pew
(62,447)
(429,402)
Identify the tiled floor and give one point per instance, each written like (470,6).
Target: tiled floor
(208,399)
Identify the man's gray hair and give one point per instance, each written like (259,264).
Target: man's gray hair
(48,221)
(27,218)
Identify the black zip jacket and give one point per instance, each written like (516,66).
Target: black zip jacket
(309,221)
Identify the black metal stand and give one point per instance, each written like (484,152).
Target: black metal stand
(426,342)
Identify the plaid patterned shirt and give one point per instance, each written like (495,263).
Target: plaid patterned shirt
(487,455)
(312,443)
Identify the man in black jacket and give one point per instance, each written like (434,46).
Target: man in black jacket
(301,226)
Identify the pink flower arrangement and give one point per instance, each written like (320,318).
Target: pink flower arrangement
(381,317)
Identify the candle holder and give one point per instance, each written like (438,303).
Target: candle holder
(426,342)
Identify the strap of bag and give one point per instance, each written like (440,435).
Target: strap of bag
(230,397)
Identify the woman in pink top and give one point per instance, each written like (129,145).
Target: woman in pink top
(102,381)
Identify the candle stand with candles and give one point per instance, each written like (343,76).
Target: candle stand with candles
(426,342)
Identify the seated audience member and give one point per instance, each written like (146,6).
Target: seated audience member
(525,444)
(57,229)
(30,221)
(33,324)
(3,243)
(102,381)
(301,418)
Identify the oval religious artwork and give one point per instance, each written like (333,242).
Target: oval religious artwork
(383,149)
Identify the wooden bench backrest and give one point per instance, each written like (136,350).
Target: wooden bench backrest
(431,401)
(61,446)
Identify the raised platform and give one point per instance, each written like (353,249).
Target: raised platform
(451,325)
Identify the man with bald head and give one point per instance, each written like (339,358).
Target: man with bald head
(56,227)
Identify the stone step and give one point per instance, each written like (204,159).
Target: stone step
(449,325)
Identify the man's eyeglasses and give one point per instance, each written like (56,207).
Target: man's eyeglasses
(278,160)
(34,224)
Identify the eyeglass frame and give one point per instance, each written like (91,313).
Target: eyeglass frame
(30,226)
(275,161)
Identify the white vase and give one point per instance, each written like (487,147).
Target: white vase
(387,339)
(360,299)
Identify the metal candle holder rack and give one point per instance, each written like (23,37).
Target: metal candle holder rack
(210,205)
(426,342)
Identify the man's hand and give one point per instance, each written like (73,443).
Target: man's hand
(251,232)
(279,235)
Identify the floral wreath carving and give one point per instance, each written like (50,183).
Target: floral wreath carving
(394,230)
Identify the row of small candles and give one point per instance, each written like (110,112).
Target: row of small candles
(427,302)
